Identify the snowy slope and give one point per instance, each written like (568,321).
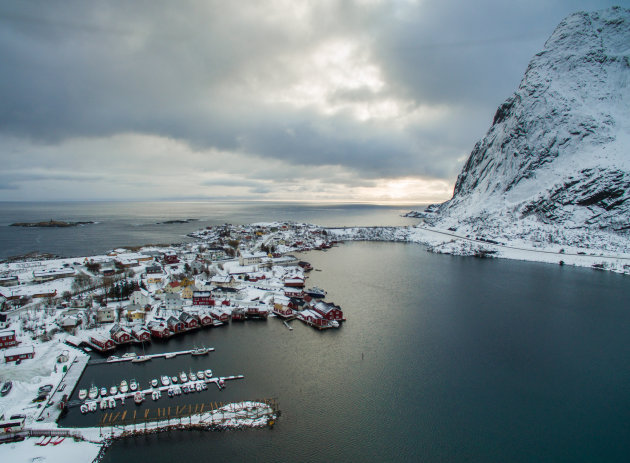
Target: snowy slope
(555,164)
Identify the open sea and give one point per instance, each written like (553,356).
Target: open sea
(442,358)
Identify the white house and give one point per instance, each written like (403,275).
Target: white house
(173,301)
(140,297)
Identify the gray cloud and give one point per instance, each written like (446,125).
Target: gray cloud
(244,77)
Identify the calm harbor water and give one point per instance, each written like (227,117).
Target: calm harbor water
(442,359)
(138,223)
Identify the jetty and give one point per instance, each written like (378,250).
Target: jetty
(113,359)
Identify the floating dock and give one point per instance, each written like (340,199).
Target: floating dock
(150,356)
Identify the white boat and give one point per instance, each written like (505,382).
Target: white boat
(200,375)
(84,409)
(103,391)
(192,376)
(133,385)
(93,394)
(155,395)
(174,379)
(111,402)
(141,358)
(103,404)
(124,387)
(83,394)
(177,390)
(199,351)
(208,373)
(91,406)
(129,355)
(198,387)
(316,292)
(113,390)
(138,397)
(154,382)
(165,380)
(170,355)
(112,358)
(171,392)
(182,377)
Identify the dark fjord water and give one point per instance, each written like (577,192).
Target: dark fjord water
(442,359)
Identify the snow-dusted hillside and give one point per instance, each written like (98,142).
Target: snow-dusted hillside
(555,164)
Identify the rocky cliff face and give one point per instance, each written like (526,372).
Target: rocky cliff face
(557,155)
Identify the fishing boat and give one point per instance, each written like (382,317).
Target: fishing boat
(177,390)
(84,409)
(133,385)
(111,402)
(112,358)
(316,292)
(93,394)
(192,376)
(208,373)
(170,355)
(155,395)
(124,387)
(174,380)
(199,351)
(103,404)
(182,377)
(129,355)
(198,387)
(165,380)
(200,374)
(83,394)
(92,406)
(154,382)
(141,358)
(113,390)
(103,391)
(138,397)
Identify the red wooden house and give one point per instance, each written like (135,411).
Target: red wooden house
(328,310)
(190,321)
(101,343)
(120,335)
(14,354)
(141,334)
(202,298)
(293,292)
(7,339)
(159,330)
(219,315)
(205,319)
(175,325)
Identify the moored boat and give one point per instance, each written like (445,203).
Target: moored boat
(165,380)
(316,292)
(200,374)
(182,377)
(129,355)
(113,390)
(192,376)
(83,394)
(93,394)
(208,373)
(199,351)
(133,385)
(84,409)
(124,387)
(138,397)
(154,382)
(174,379)
(170,355)
(103,391)
(141,358)
(112,358)
(103,404)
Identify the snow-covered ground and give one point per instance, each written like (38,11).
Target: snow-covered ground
(67,451)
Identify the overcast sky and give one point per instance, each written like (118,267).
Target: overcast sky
(360,100)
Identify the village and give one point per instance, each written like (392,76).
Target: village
(58,311)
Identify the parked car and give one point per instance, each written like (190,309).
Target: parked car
(6,388)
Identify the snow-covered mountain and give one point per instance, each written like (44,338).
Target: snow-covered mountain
(555,164)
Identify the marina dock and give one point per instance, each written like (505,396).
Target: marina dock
(149,356)
(51,411)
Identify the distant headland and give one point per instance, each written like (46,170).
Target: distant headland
(50,223)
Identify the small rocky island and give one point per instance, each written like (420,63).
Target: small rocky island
(50,223)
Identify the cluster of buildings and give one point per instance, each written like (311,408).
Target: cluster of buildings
(231,273)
